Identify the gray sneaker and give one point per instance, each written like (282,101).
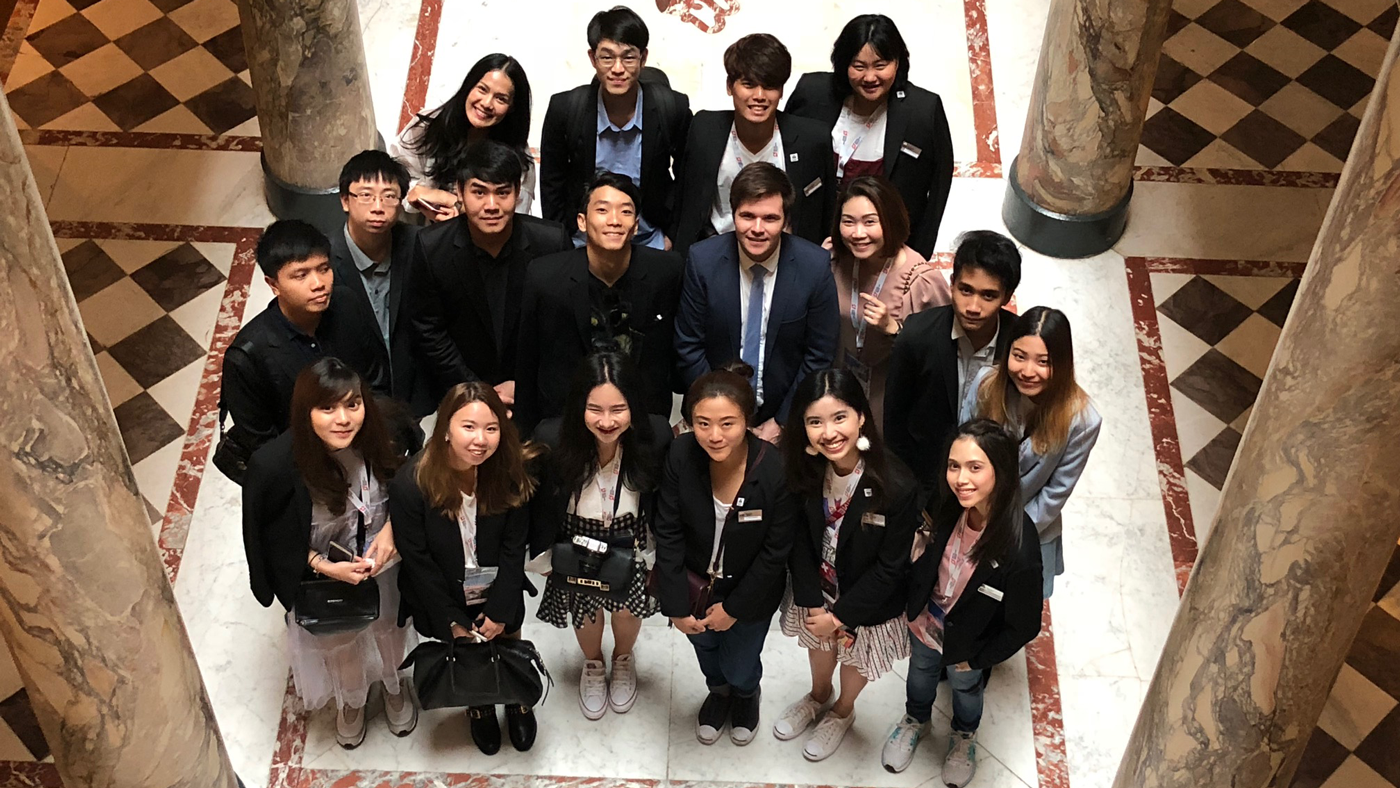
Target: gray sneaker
(901,743)
(961,762)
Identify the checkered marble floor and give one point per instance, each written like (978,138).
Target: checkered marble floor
(149,308)
(133,65)
(1264,84)
(1354,744)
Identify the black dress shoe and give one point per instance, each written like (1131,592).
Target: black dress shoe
(486,729)
(520,722)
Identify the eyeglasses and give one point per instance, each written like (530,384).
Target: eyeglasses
(369,198)
(607,59)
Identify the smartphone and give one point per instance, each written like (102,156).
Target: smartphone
(340,552)
(427,207)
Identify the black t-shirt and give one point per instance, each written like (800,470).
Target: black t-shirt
(610,315)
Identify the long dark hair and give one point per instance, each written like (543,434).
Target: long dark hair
(576,458)
(445,129)
(502,482)
(880,32)
(807,472)
(1049,422)
(326,383)
(1001,538)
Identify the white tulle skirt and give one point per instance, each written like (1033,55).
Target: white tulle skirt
(344,667)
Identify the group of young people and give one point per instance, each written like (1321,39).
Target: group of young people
(440,407)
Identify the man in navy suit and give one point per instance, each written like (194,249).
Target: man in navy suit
(760,295)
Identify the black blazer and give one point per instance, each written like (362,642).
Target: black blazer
(569,150)
(921,390)
(918,147)
(981,630)
(755,553)
(434,564)
(447,301)
(698,176)
(276,523)
(803,322)
(551,499)
(872,559)
(408,381)
(262,362)
(555,334)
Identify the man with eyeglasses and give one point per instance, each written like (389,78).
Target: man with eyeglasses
(372,256)
(626,120)
(608,296)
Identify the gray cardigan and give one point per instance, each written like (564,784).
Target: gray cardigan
(1046,480)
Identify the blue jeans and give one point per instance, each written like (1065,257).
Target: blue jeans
(925,667)
(732,659)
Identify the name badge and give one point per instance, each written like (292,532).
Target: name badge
(870,518)
(811,187)
(989,591)
(912,150)
(792,157)
(751,516)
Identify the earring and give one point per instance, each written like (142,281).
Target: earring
(862,443)
(812,450)
(447,439)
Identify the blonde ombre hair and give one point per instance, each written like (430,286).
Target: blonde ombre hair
(1050,418)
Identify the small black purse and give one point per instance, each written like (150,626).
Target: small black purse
(326,606)
(461,673)
(594,566)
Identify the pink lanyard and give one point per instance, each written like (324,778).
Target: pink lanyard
(958,561)
(739,147)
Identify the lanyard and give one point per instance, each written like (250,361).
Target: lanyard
(848,147)
(958,561)
(739,148)
(857,322)
(835,513)
(615,497)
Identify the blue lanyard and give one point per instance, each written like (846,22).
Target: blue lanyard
(856,321)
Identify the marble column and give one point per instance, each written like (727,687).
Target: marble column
(1307,519)
(85,605)
(1068,190)
(307,63)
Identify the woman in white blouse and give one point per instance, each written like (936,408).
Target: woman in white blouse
(492,103)
(460,517)
(600,484)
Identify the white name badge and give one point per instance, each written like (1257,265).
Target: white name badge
(877,520)
(811,187)
(912,150)
(751,516)
(989,591)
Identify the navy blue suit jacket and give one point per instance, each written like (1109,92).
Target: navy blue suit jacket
(803,322)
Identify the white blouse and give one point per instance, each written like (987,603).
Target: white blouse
(466,520)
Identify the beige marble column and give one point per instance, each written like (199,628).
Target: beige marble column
(307,63)
(84,602)
(1069,188)
(1308,516)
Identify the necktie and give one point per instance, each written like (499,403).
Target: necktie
(753,323)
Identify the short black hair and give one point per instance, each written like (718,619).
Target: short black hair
(880,33)
(758,180)
(991,252)
(373,165)
(289,241)
(491,162)
(617,181)
(760,58)
(620,24)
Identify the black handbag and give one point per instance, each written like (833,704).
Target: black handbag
(594,566)
(463,672)
(326,606)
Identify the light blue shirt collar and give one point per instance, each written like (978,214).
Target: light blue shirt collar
(607,125)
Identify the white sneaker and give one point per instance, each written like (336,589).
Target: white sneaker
(350,727)
(827,737)
(797,718)
(593,689)
(961,762)
(622,690)
(400,710)
(901,743)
